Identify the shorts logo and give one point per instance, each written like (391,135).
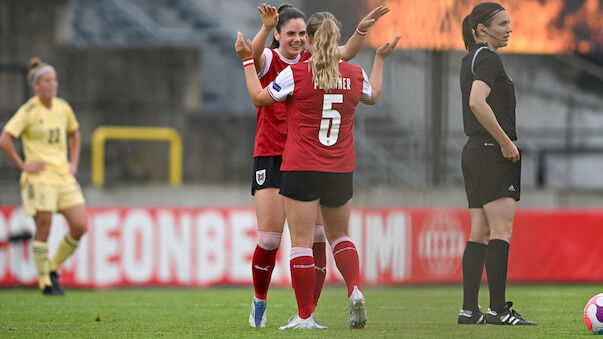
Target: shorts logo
(511,188)
(276,87)
(260,176)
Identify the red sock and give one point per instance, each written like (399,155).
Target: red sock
(262,265)
(320,260)
(346,259)
(302,279)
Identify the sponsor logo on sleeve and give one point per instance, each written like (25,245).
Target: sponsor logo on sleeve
(276,87)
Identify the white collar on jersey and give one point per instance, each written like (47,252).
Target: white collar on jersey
(289,61)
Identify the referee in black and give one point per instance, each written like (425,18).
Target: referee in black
(490,162)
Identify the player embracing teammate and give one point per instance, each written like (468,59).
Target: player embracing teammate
(317,167)
(287,48)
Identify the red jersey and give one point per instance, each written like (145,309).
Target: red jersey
(320,124)
(271,132)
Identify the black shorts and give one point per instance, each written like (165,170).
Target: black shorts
(266,172)
(333,189)
(488,175)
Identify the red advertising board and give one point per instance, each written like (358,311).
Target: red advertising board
(198,247)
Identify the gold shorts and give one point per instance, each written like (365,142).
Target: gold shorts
(47,198)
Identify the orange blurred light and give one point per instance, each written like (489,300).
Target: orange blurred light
(538,25)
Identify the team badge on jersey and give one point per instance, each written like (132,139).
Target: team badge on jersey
(260,176)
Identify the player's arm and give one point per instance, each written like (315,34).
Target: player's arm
(376,79)
(259,96)
(269,20)
(354,43)
(7,143)
(485,115)
(75,145)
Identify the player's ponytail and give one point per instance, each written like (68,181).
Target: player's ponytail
(285,13)
(34,62)
(468,37)
(324,30)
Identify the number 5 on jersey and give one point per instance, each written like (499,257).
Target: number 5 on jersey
(331,119)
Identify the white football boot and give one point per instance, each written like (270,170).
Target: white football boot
(357,309)
(257,318)
(297,323)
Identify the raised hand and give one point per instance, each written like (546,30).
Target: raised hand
(269,15)
(244,50)
(372,17)
(384,50)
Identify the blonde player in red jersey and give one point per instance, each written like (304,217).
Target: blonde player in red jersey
(318,159)
(47,126)
(288,47)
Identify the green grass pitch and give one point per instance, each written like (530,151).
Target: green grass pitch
(397,312)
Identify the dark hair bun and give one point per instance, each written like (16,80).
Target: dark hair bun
(284,7)
(34,62)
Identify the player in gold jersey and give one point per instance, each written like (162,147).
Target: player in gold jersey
(47,127)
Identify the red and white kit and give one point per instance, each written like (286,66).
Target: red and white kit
(271,131)
(319,134)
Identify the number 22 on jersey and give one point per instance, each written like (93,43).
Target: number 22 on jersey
(54,135)
(331,120)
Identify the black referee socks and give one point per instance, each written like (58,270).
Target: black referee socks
(473,266)
(497,258)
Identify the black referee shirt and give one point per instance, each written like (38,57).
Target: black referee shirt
(487,67)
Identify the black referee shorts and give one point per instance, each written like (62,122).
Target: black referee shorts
(266,172)
(488,175)
(333,189)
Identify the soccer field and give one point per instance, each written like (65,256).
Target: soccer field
(400,312)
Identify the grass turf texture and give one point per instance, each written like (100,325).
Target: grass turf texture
(407,311)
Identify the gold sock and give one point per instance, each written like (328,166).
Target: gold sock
(40,252)
(66,248)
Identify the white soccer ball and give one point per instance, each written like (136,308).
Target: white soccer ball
(593,314)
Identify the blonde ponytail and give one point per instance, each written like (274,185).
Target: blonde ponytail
(324,30)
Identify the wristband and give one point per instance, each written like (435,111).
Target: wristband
(361,32)
(247,62)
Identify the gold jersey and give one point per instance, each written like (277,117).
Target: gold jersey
(43,133)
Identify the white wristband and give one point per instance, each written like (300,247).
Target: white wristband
(247,62)
(361,32)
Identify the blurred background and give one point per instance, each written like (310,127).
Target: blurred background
(171,63)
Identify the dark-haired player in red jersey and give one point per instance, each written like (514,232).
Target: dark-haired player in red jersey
(318,160)
(288,47)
